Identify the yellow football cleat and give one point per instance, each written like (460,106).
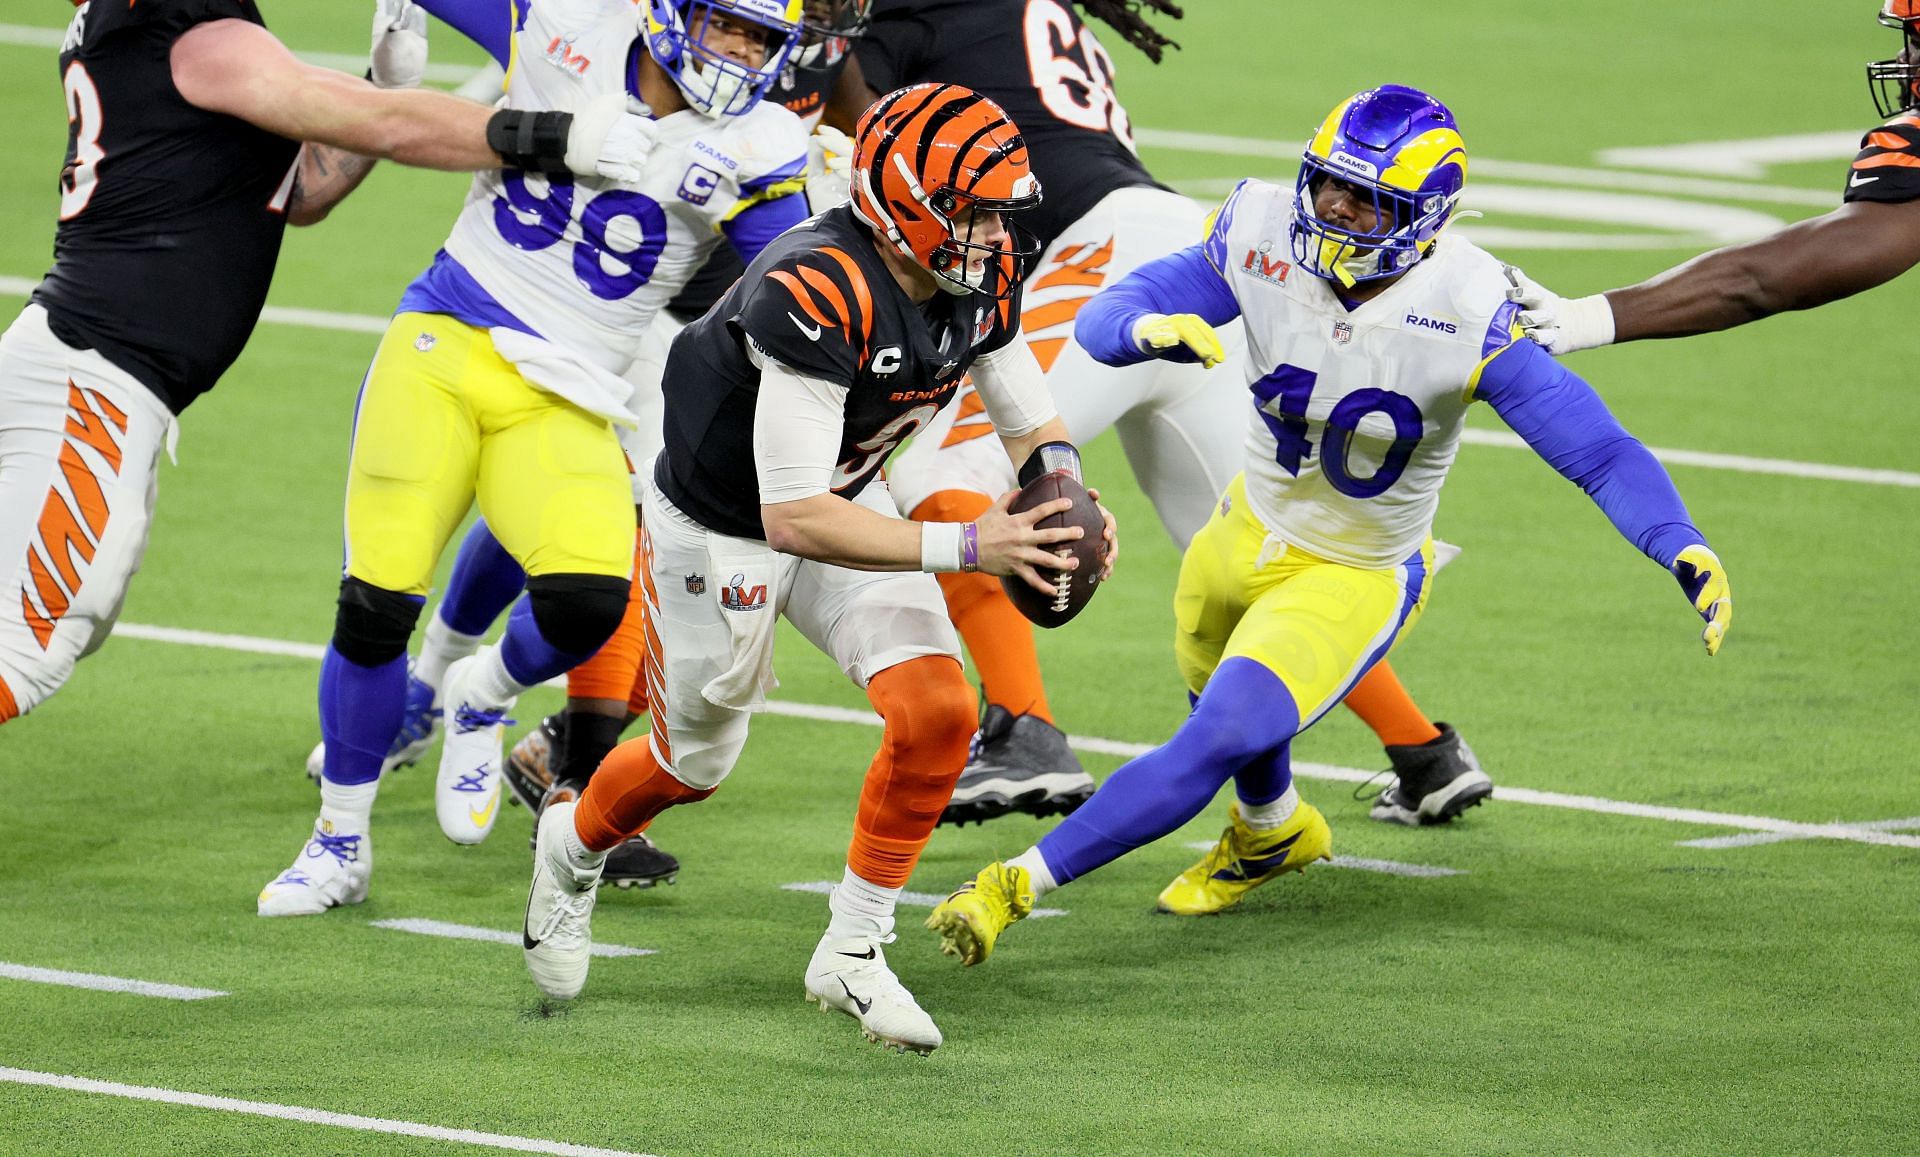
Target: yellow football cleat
(1246,858)
(971,919)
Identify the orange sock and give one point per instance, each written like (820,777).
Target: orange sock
(1384,705)
(929,712)
(997,636)
(612,671)
(622,798)
(9,707)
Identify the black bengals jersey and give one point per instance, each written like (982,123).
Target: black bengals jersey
(804,93)
(1039,62)
(1888,167)
(170,216)
(820,301)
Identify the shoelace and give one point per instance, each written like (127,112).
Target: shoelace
(1374,786)
(571,908)
(345,849)
(473,719)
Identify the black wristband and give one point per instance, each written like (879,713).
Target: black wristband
(535,141)
(1049,457)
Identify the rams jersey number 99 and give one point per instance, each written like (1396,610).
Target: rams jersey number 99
(586,262)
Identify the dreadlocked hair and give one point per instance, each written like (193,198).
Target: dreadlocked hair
(1124,16)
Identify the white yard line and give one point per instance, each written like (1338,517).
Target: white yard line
(1781,467)
(1753,839)
(32,36)
(1856,833)
(1363,864)
(306,1116)
(448,931)
(99,983)
(910,899)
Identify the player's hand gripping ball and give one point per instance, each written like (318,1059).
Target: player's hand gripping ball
(1072,589)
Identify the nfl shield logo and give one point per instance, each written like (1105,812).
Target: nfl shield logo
(696,584)
(1342,332)
(424,342)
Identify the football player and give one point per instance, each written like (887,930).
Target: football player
(608,692)
(844,338)
(1873,237)
(184,166)
(499,378)
(1104,215)
(1318,558)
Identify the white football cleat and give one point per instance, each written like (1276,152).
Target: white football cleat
(334,868)
(466,792)
(558,932)
(852,976)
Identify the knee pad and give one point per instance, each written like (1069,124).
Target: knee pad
(371,626)
(576,613)
(927,704)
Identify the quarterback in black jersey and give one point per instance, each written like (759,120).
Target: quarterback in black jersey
(1872,238)
(1181,427)
(782,404)
(184,165)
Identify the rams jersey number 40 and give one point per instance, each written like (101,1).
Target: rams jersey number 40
(584,263)
(1360,409)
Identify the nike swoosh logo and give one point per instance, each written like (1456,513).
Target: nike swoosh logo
(862,1005)
(482,818)
(1853,182)
(869,954)
(812,331)
(526,939)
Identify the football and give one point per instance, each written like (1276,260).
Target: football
(1074,588)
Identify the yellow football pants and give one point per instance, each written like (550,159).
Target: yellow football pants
(1316,624)
(444,419)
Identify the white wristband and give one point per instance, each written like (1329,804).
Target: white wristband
(1585,322)
(940,547)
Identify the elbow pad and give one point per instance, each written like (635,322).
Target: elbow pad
(1049,457)
(534,141)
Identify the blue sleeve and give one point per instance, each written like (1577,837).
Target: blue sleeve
(1567,424)
(488,23)
(749,230)
(1183,282)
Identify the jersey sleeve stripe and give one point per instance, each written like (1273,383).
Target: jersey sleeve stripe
(1886,140)
(858,281)
(830,293)
(785,174)
(800,295)
(1889,160)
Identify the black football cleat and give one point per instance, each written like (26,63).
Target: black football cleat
(1432,782)
(1019,763)
(639,863)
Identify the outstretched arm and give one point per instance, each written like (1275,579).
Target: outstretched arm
(1839,254)
(1566,423)
(1165,308)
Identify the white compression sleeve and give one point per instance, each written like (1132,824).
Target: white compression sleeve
(1014,389)
(797,426)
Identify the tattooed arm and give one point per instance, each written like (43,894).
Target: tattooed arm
(327,174)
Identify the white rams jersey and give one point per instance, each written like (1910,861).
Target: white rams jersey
(1357,413)
(584,261)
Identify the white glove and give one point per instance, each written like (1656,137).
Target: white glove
(1560,324)
(399,44)
(611,137)
(829,168)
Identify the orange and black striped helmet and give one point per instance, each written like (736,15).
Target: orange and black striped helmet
(1896,82)
(927,161)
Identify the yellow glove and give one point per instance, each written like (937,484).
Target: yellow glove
(1161,331)
(1704,579)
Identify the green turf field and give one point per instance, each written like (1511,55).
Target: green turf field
(1584,984)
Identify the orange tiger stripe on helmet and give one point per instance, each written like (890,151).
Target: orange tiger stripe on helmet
(922,156)
(1901,10)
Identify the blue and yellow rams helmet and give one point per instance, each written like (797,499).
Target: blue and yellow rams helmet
(1399,147)
(683,38)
